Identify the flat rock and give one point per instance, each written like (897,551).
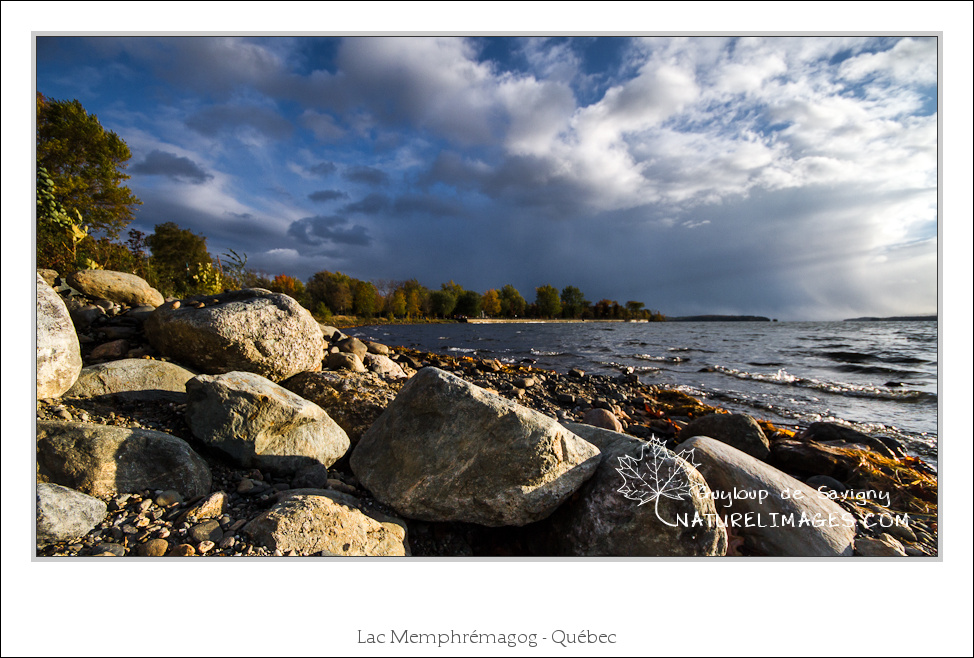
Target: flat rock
(654,519)
(252,330)
(311,521)
(58,350)
(64,514)
(776,514)
(260,424)
(446,450)
(118,287)
(134,379)
(738,430)
(102,460)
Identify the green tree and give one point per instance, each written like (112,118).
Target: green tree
(573,302)
(85,163)
(442,302)
(512,304)
(365,299)
(547,301)
(468,304)
(180,264)
(397,305)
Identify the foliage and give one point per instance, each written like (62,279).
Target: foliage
(365,299)
(180,264)
(85,164)
(512,304)
(491,303)
(547,301)
(442,302)
(468,304)
(291,287)
(58,232)
(573,302)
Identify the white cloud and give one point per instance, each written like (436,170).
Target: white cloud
(911,61)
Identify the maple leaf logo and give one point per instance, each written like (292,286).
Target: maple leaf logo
(657,474)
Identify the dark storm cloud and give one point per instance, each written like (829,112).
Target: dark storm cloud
(429,205)
(366,175)
(322,196)
(163,163)
(323,168)
(370,205)
(215,119)
(320,229)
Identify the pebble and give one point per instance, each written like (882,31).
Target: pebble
(168,497)
(246,485)
(206,531)
(162,534)
(228,542)
(184,550)
(114,549)
(154,548)
(205,547)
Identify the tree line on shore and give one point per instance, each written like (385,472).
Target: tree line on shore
(81,195)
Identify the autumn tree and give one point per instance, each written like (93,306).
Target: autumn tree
(291,287)
(86,166)
(365,299)
(491,303)
(547,301)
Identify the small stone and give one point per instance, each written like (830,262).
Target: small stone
(168,497)
(184,550)
(129,529)
(205,547)
(111,548)
(162,534)
(142,522)
(206,531)
(63,413)
(245,486)
(228,542)
(154,548)
(525,382)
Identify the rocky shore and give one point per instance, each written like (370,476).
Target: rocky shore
(236,425)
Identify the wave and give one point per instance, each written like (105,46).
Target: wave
(622,367)
(546,353)
(865,357)
(877,370)
(463,350)
(664,359)
(783,378)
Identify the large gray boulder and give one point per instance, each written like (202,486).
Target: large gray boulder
(64,514)
(253,330)
(446,450)
(656,517)
(58,350)
(118,287)
(102,460)
(135,379)
(776,514)
(738,430)
(311,521)
(260,424)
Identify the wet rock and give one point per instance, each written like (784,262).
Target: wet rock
(133,379)
(446,450)
(842,436)
(600,520)
(58,350)
(792,520)
(102,460)
(118,287)
(260,424)
(737,430)
(64,514)
(309,523)
(253,330)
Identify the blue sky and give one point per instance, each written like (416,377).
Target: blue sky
(793,177)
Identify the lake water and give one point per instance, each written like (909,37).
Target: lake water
(880,377)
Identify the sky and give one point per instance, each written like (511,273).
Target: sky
(790,177)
